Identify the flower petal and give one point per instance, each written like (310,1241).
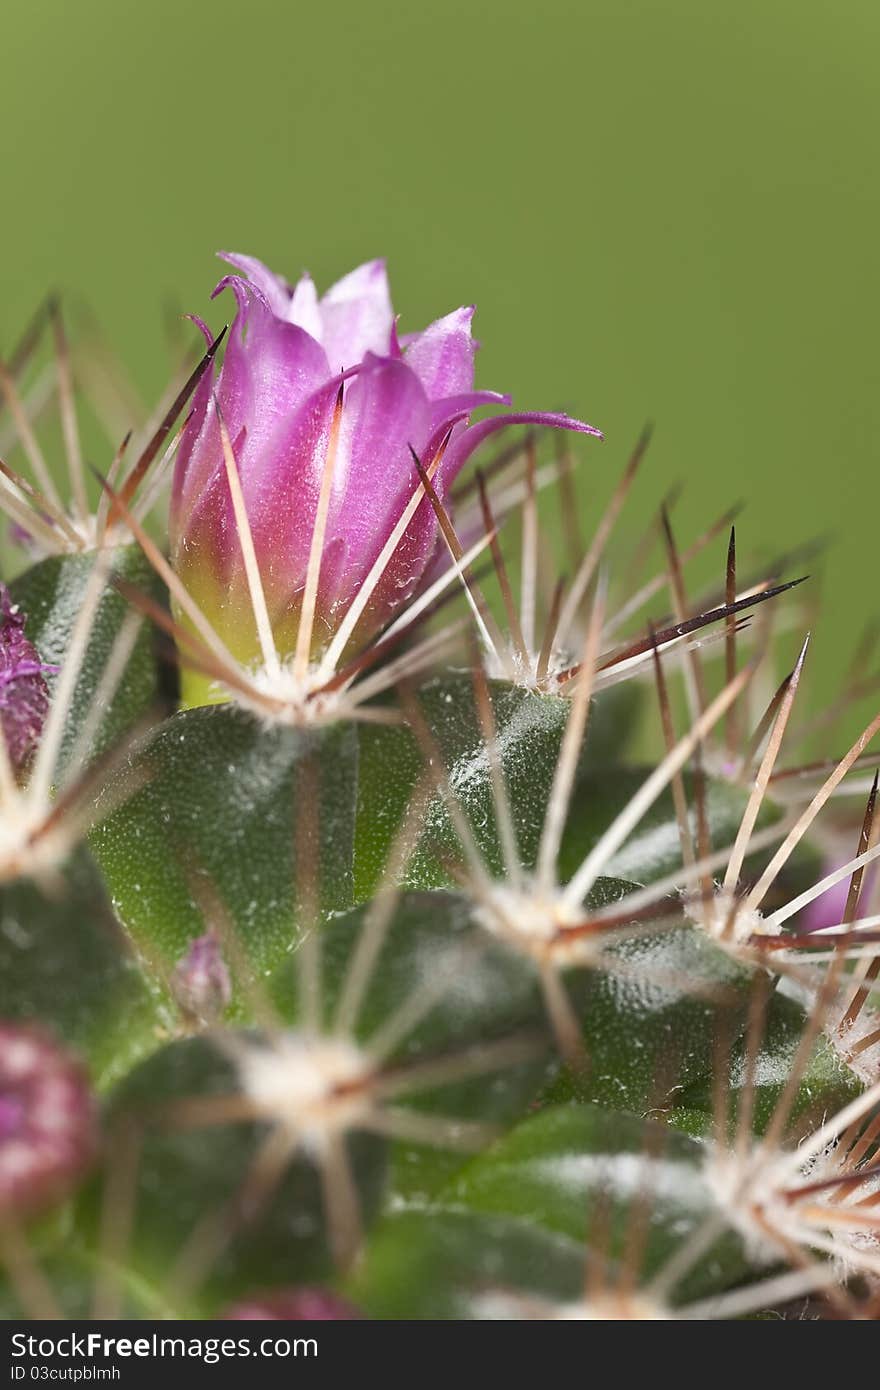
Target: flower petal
(469,440)
(304,309)
(180,492)
(386,413)
(270,369)
(443,355)
(357,316)
(274,288)
(454,407)
(463,442)
(280,484)
(281,499)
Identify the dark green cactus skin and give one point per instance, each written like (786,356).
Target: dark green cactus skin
(213,817)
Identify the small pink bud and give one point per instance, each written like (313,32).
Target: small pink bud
(48,1126)
(201,982)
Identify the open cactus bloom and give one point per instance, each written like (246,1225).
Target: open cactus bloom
(321,420)
(444,1003)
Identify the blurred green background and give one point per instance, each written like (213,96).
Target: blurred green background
(666,210)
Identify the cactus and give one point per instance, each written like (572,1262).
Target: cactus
(352,964)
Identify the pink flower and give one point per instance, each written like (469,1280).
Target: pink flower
(323,386)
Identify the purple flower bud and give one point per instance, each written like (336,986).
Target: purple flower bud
(201,982)
(48,1129)
(24,697)
(287,355)
(293,1305)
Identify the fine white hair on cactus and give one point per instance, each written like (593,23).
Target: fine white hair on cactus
(615,1304)
(613,1294)
(312,1089)
(620,1287)
(796,1193)
(552,923)
(44,521)
(321,1080)
(535,915)
(550,665)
